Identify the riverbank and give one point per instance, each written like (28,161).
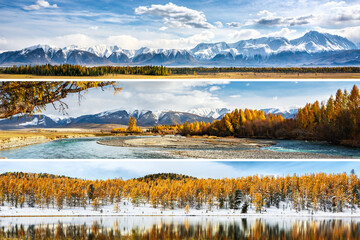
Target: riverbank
(21,138)
(128,209)
(214,148)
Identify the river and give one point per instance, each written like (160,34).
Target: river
(88,148)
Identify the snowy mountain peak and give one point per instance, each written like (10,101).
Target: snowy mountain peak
(103,50)
(45,47)
(312,49)
(210,112)
(314,41)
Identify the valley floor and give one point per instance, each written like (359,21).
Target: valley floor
(128,209)
(222,75)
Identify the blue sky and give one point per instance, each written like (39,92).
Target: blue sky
(105,169)
(169,24)
(184,95)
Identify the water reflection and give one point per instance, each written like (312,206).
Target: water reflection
(186,228)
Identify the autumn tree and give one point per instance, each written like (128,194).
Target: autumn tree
(187,209)
(20,97)
(132,125)
(258,202)
(95,204)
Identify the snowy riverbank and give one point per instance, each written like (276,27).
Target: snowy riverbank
(127,209)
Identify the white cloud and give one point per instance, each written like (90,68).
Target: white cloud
(271,19)
(130,42)
(218,24)
(345,14)
(235,96)
(245,34)
(3,41)
(334,4)
(40,4)
(275,98)
(94,28)
(351,33)
(72,39)
(284,32)
(176,16)
(234,24)
(171,95)
(127,42)
(214,88)
(328,14)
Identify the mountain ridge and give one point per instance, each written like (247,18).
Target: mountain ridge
(314,48)
(144,118)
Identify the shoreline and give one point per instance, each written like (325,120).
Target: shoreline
(215,148)
(19,138)
(285,215)
(131,211)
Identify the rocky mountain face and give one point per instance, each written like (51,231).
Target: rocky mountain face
(312,49)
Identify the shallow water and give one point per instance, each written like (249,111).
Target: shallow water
(87,148)
(314,147)
(178,228)
(81,148)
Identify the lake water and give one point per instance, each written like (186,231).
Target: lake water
(178,228)
(87,148)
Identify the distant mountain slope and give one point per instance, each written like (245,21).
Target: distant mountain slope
(144,118)
(312,49)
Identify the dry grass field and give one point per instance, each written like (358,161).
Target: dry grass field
(223,75)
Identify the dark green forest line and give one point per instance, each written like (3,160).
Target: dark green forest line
(77,70)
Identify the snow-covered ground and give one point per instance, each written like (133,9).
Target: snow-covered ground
(128,209)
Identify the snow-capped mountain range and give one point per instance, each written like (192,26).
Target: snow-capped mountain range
(121,116)
(314,48)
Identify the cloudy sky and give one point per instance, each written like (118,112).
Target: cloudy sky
(164,24)
(184,95)
(105,169)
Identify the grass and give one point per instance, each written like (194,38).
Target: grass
(49,134)
(223,75)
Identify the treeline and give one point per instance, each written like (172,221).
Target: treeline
(312,192)
(77,70)
(164,176)
(239,123)
(336,120)
(32,175)
(199,70)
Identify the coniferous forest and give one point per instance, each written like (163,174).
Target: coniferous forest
(313,192)
(77,70)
